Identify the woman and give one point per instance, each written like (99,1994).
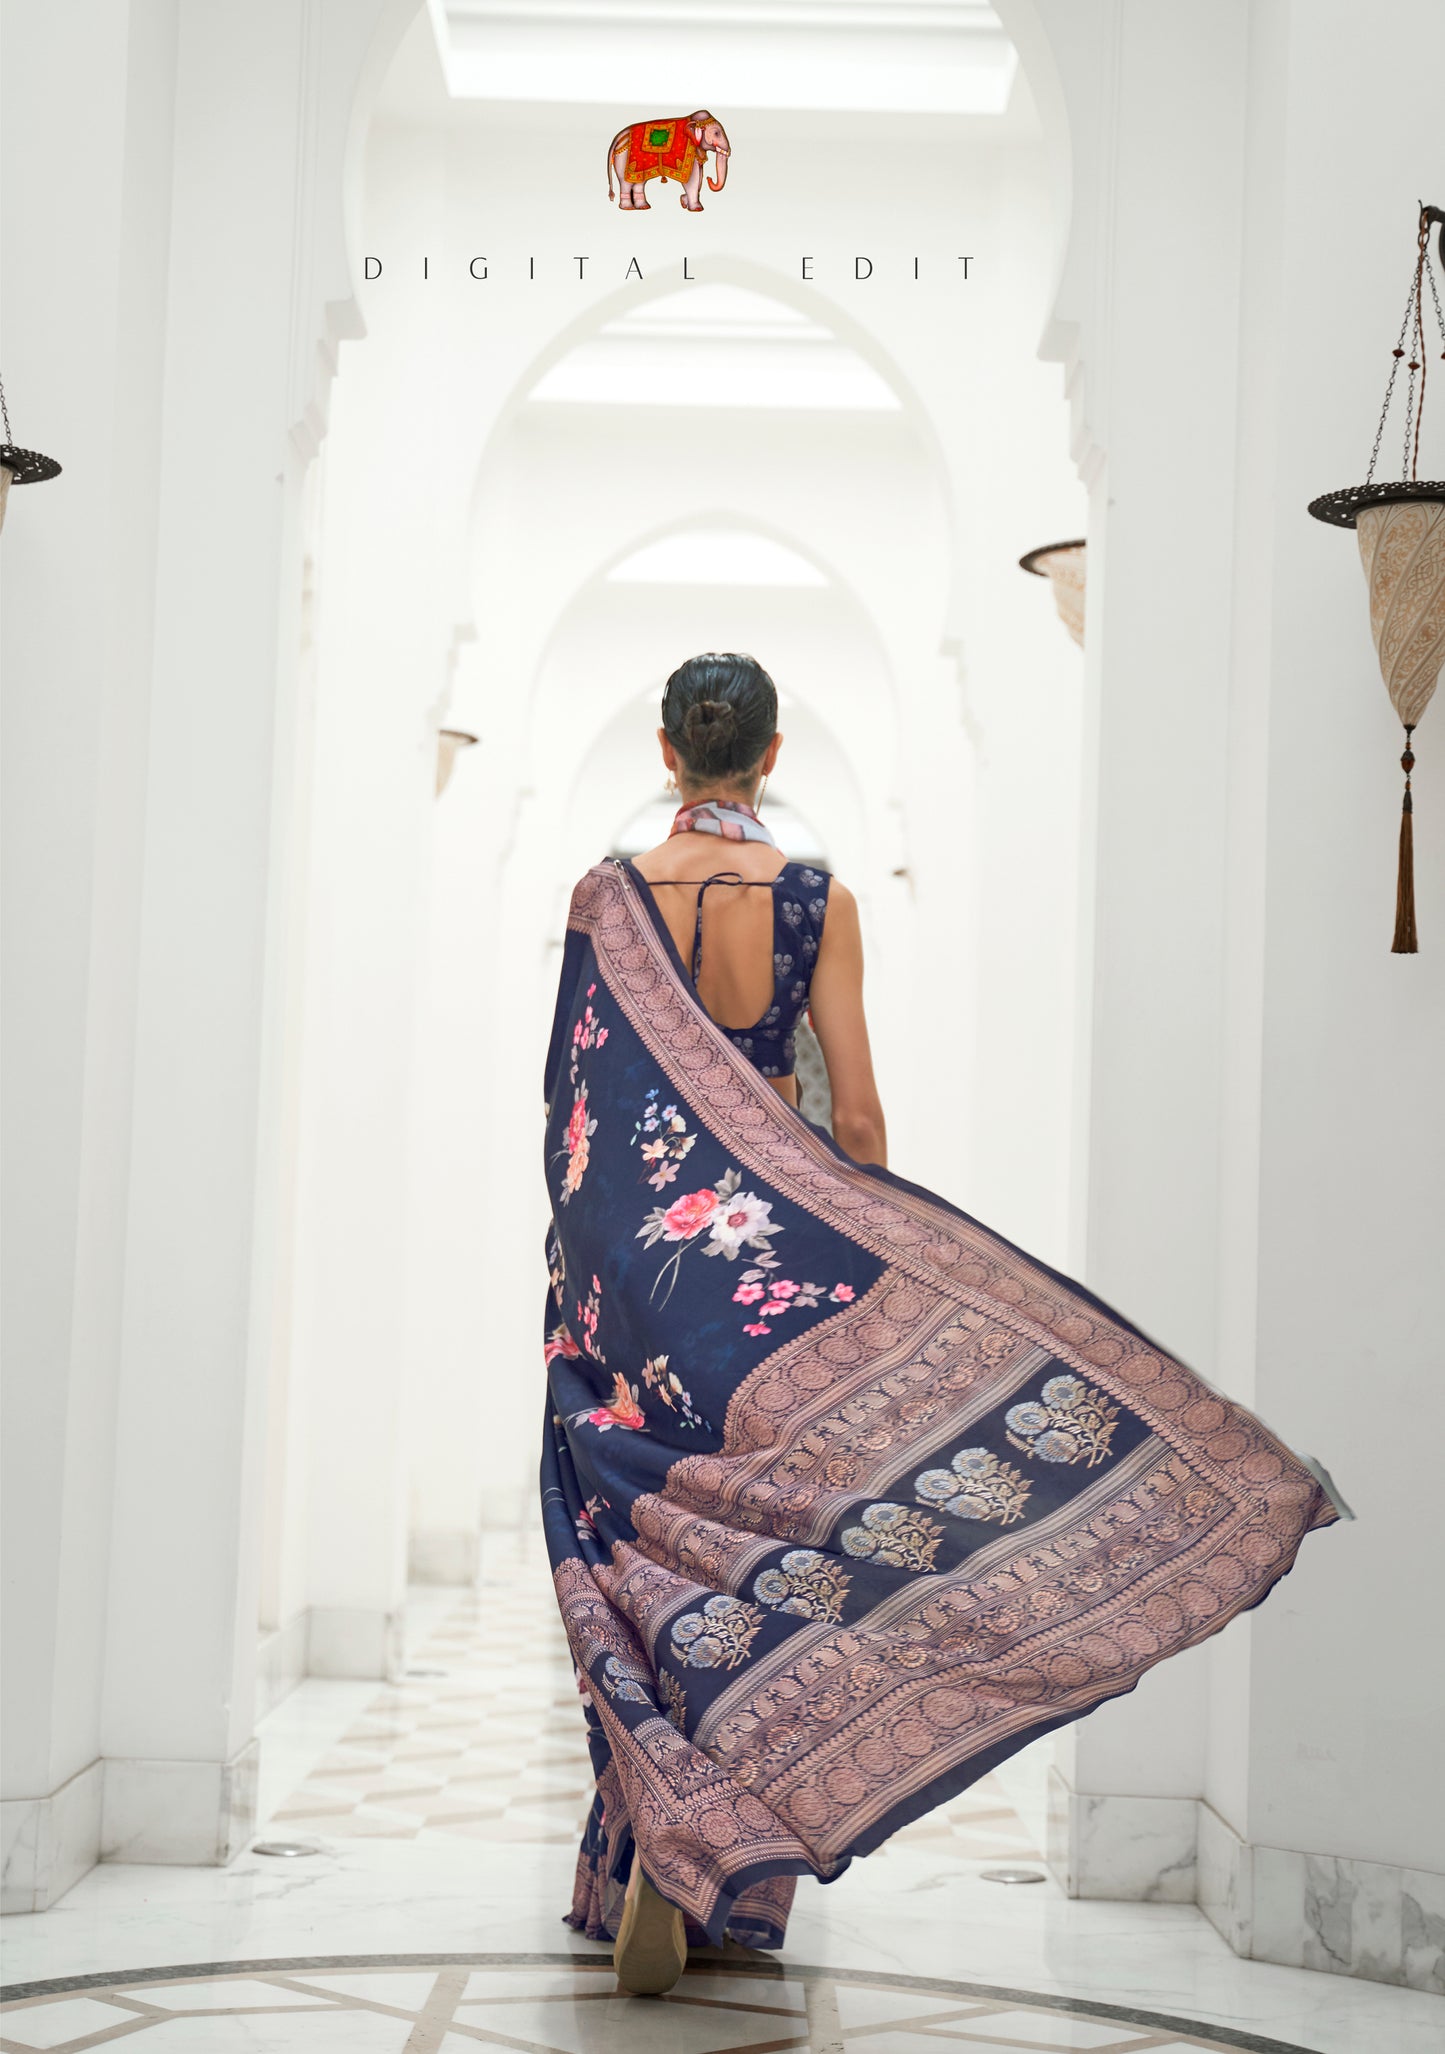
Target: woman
(846,1498)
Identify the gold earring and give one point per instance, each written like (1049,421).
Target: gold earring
(757,804)
(671,784)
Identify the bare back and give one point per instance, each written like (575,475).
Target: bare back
(744,967)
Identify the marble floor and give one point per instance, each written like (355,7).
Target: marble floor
(443,1812)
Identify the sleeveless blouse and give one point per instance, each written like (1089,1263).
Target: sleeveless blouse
(800,904)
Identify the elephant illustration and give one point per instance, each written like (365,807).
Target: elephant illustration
(675,146)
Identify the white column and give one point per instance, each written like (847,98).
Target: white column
(1157,435)
(82,353)
(1323,1837)
(1262,1097)
(181,247)
(383,647)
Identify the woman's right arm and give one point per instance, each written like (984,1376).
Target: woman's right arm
(842,1030)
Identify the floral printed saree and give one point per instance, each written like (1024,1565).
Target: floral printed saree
(846,1498)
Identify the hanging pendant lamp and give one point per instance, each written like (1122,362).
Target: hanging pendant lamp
(19,466)
(450,742)
(1063,564)
(1401,532)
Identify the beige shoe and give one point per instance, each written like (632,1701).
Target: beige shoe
(650,1952)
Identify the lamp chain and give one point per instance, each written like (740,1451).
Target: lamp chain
(1412,337)
(5,415)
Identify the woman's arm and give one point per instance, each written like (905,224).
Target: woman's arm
(842,1030)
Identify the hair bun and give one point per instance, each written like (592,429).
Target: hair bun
(711,722)
(719,711)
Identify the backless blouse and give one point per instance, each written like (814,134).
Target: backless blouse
(800,904)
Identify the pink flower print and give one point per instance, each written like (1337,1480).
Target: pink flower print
(688,1215)
(591,989)
(747,1294)
(560,1343)
(772,1308)
(624,1409)
(597,1283)
(601,1036)
(579,1128)
(842,1294)
(783,1288)
(759,1329)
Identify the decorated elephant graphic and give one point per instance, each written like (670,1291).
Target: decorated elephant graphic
(674,147)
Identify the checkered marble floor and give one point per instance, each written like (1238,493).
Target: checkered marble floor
(482,1738)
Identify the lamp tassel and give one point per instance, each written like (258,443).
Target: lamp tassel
(1406,942)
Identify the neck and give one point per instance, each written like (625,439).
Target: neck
(718,797)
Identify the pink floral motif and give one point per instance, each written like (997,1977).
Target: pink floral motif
(782,1294)
(735,1220)
(560,1343)
(589,1312)
(688,1215)
(588,1032)
(623,1409)
(579,1131)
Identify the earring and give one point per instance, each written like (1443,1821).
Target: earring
(757,803)
(671,783)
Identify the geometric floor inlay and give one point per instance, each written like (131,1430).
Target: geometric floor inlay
(731,2003)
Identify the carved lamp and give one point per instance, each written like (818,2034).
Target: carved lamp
(20,466)
(450,742)
(1401,532)
(1063,564)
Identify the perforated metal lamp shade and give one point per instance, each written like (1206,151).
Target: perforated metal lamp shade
(1400,527)
(22,467)
(450,742)
(1064,565)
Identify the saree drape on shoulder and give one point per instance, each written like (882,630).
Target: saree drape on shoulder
(846,1498)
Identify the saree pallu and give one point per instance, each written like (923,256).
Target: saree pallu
(846,1498)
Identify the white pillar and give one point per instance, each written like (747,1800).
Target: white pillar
(179,281)
(383,647)
(1262,1103)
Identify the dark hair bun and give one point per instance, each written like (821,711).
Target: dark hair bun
(720,711)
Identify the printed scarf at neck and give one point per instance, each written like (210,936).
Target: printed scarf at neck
(733,819)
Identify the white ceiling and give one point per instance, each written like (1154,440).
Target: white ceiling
(881,56)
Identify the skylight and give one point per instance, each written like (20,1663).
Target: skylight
(884,56)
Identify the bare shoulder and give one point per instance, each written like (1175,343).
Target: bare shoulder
(842,915)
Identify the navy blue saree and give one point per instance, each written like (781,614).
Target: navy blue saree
(846,1498)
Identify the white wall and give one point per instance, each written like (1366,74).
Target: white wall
(1262,1107)
(151,643)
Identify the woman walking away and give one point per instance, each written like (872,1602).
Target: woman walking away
(847,1499)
